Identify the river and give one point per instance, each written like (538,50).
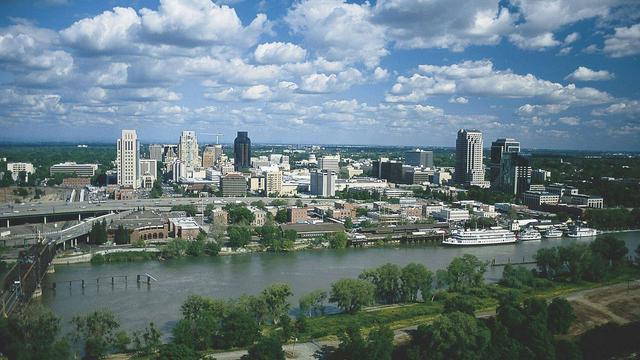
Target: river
(231,276)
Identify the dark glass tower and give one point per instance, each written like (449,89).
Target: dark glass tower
(242,151)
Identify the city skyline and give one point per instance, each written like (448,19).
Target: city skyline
(285,72)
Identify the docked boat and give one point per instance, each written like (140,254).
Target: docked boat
(580,231)
(552,233)
(529,234)
(493,236)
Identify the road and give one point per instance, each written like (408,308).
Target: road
(9,211)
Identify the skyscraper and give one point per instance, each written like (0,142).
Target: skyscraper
(329,162)
(188,149)
(323,183)
(514,176)
(155,152)
(499,147)
(128,159)
(208,157)
(419,157)
(242,151)
(469,166)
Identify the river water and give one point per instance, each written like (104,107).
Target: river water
(231,276)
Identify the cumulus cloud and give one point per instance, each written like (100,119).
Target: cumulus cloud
(569,120)
(624,42)
(585,74)
(257,92)
(110,31)
(459,100)
(479,78)
(629,108)
(538,42)
(279,53)
(338,30)
(538,110)
(571,38)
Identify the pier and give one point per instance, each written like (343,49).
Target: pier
(509,262)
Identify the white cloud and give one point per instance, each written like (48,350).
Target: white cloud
(538,110)
(570,120)
(452,24)
(629,108)
(538,42)
(459,100)
(322,83)
(257,92)
(110,31)
(585,74)
(279,53)
(380,74)
(624,42)
(571,38)
(115,75)
(195,22)
(480,79)
(338,30)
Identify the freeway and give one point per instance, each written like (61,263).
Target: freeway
(12,211)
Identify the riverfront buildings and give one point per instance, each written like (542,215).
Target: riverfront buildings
(80,170)
(242,151)
(499,147)
(128,159)
(469,163)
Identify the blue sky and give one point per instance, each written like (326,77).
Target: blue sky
(551,73)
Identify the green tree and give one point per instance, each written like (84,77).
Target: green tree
(239,328)
(266,348)
(32,333)
(175,248)
(560,316)
(189,209)
(460,303)
(239,236)
(275,298)
(121,236)
(516,277)
(611,249)
(239,214)
(348,223)
(386,279)
(96,333)
(352,345)
(380,343)
(299,203)
(465,272)
(313,302)
(337,240)
(156,190)
(457,336)
(415,278)
(281,216)
(173,351)
(352,294)
(195,247)
(147,342)
(98,232)
(548,262)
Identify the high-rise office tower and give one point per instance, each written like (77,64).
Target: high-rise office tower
(499,147)
(323,183)
(242,151)
(155,152)
(469,166)
(514,176)
(128,159)
(188,149)
(329,162)
(208,157)
(419,157)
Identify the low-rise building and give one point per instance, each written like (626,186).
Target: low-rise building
(80,170)
(311,231)
(186,228)
(259,216)
(234,184)
(535,199)
(297,215)
(596,202)
(76,182)
(451,215)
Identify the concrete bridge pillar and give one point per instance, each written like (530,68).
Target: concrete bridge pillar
(45,219)
(7,223)
(87,239)
(64,245)
(79,217)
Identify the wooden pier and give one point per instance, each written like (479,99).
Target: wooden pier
(509,262)
(110,280)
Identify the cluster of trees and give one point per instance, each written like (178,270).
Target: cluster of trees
(581,261)
(211,323)
(122,235)
(98,232)
(486,196)
(239,214)
(613,219)
(200,246)
(378,344)
(520,330)
(272,237)
(239,235)
(156,190)
(337,240)
(34,333)
(189,209)
(394,284)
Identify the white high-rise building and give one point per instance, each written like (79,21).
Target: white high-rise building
(188,149)
(148,172)
(273,182)
(329,162)
(128,159)
(323,183)
(469,164)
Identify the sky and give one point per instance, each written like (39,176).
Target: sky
(554,74)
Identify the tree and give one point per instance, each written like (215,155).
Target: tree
(239,236)
(313,302)
(121,236)
(156,190)
(415,278)
(348,223)
(386,279)
(337,240)
(465,272)
(174,351)
(96,332)
(516,277)
(275,298)
(548,262)
(98,232)
(281,216)
(195,247)
(147,342)
(456,336)
(461,303)
(31,334)
(239,328)
(352,344)
(560,316)
(239,214)
(299,203)
(352,294)
(175,248)
(266,348)
(380,343)
(200,327)
(611,249)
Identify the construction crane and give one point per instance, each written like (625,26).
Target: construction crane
(216,135)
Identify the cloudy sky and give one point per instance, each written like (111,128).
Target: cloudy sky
(559,74)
